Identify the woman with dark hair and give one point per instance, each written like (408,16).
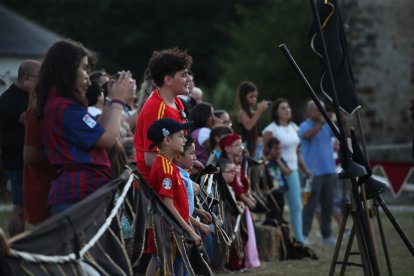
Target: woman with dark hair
(287,133)
(99,76)
(248,118)
(224,117)
(75,141)
(203,116)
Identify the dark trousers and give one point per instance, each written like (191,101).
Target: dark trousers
(322,187)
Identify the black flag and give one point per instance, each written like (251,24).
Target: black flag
(335,40)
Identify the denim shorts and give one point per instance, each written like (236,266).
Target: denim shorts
(16,179)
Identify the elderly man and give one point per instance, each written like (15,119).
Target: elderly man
(13,104)
(317,150)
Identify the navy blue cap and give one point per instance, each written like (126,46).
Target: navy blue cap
(163,128)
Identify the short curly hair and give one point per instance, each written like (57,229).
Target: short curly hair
(168,62)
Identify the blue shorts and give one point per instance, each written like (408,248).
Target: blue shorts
(16,179)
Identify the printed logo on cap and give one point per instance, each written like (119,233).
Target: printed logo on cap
(165,132)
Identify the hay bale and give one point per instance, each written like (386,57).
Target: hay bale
(269,242)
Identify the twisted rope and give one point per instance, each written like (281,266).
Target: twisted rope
(37,258)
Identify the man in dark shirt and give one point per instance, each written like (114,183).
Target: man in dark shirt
(13,105)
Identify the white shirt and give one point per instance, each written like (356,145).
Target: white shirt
(289,140)
(94,111)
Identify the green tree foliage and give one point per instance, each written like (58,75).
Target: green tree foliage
(254,54)
(230,40)
(124,33)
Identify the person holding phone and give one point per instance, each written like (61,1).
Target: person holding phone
(75,141)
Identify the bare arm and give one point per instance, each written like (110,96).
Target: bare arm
(110,120)
(112,114)
(313,131)
(240,206)
(302,164)
(248,122)
(246,199)
(285,170)
(170,205)
(266,136)
(251,197)
(196,189)
(204,228)
(204,215)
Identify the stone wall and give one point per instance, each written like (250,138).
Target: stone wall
(381,44)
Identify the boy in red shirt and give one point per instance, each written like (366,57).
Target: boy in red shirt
(169,72)
(168,135)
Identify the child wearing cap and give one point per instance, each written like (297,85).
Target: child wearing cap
(184,162)
(168,135)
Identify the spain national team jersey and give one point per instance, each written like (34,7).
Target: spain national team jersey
(70,134)
(153,109)
(165,179)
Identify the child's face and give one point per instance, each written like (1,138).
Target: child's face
(225,119)
(251,98)
(275,151)
(177,141)
(186,160)
(229,173)
(180,83)
(236,149)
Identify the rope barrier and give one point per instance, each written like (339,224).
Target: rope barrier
(33,257)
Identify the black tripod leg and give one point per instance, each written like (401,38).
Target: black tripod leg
(383,240)
(360,233)
(339,240)
(348,251)
(395,223)
(362,223)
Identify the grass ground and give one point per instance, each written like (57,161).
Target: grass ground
(401,259)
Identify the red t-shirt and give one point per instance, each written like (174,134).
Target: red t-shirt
(165,179)
(153,109)
(36,178)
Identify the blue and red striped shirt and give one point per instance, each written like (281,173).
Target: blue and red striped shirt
(70,135)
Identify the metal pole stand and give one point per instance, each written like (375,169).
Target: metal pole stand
(357,232)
